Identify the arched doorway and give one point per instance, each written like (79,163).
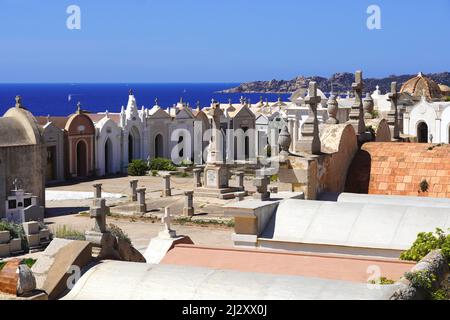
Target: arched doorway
(422,132)
(159,146)
(134,144)
(108,157)
(51,163)
(81,159)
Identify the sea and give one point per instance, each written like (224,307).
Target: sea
(61,99)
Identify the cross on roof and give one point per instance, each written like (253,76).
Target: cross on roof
(18,101)
(79,107)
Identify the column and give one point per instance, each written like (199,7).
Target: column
(188,209)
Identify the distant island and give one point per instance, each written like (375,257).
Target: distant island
(342,82)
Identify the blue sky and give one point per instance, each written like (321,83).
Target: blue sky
(218,41)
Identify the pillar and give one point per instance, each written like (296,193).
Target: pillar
(197,178)
(141,206)
(167,192)
(240,179)
(133,186)
(188,209)
(97,190)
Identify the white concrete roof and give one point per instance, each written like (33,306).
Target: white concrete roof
(395,200)
(353,224)
(140,281)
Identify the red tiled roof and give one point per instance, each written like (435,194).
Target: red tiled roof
(60,122)
(398,168)
(96,117)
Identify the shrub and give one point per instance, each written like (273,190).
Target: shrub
(137,168)
(427,242)
(29,262)
(161,164)
(154,173)
(421,279)
(2,264)
(65,232)
(382,281)
(118,233)
(16,231)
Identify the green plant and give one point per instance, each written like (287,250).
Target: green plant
(161,164)
(423,185)
(29,262)
(2,264)
(421,279)
(274,178)
(185,163)
(375,114)
(440,294)
(137,168)
(382,281)
(184,175)
(16,232)
(154,173)
(118,233)
(427,242)
(65,232)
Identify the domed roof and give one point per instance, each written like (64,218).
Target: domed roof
(422,86)
(444,89)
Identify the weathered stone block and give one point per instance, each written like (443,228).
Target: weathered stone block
(4,237)
(15,245)
(31,227)
(4,250)
(33,240)
(44,234)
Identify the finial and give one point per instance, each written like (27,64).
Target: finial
(107,113)
(130,92)
(261,99)
(79,107)
(156,101)
(420,74)
(181,100)
(48,118)
(18,102)
(229,101)
(198,105)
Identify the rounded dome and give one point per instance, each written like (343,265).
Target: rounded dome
(422,86)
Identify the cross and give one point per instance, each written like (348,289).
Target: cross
(18,101)
(313,99)
(16,184)
(130,92)
(358,84)
(156,101)
(166,219)
(79,107)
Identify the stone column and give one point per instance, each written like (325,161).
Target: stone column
(310,141)
(98,190)
(167,192)
(141,206)
(393,112)
(188,209)
(240,179)
(133,187)
(197,177)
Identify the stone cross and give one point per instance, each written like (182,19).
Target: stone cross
(133,187)
(188,209)
(167,192)
(393,112)
(357,113)
(18,102)
(261,183)
(310,132)
(98,190)
(141,206)
(240,179)
(99,211)
(167,233)
(197,178)
(79,107)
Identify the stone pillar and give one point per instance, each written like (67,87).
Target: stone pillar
(240,179)
(261,183)
(97,190)
(141,206)
(188,209)
(167,191)
(310,141)
(133,187)
(357,113)
(393,112)
(197,177)
(368,106)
